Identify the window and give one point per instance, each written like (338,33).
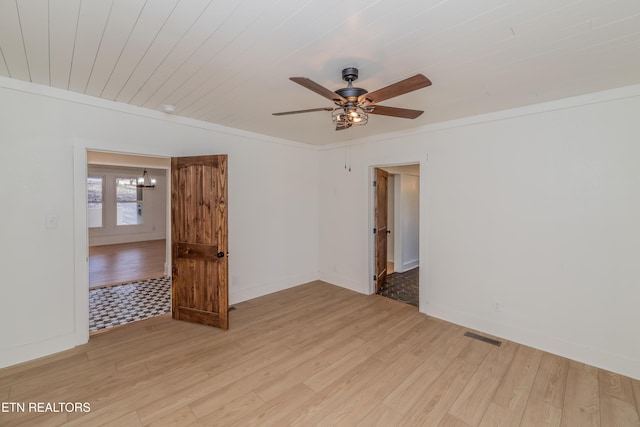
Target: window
(128,201)
(95,189)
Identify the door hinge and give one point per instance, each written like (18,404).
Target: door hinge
(375,278)
(375,183)
(375,230)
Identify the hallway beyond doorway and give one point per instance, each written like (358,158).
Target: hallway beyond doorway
(402,287)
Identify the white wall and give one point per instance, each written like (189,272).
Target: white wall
(537,207)
(391,218)
(403,216)
(407,222)
(273,206)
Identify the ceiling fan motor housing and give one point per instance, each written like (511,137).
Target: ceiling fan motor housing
(350,93)
(350,74)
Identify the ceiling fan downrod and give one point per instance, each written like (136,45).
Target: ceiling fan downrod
(350,93)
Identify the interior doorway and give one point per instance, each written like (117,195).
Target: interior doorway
(127,238)
(401,193)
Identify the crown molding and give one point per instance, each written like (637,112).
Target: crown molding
(534,109)
(105,104)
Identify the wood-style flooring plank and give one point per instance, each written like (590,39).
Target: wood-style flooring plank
(515,388)
(182,416)
(615,385)
(353,410)
(126,262)
(229,412)
(617,399)
(310,367)
(582,397)
(551,380)
(33,419)
(451,421)
(476,396)
(539,413)
(4,393)
(326,401)
(546,400)
(381,416)
(444,351)
(434,402)
(270,413)
(128,420)
(316,354)
(497,416)
(616,412)
(635,384)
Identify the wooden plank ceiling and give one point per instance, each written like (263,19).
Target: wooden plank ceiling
(228,62)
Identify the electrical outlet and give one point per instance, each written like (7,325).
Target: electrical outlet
(497,306)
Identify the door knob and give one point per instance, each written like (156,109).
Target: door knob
(220,254)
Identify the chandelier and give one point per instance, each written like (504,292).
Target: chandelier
(145,181)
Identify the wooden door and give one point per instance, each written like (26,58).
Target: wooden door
(199,240)
(380,230)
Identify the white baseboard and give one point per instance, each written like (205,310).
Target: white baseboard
(250,292)
(571,350)
(31,351)
(409,265)
(125,238)
(343,282)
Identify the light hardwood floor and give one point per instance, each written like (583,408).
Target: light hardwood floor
(125,262)
(316,354)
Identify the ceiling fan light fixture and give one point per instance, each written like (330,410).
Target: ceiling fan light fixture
(349,116)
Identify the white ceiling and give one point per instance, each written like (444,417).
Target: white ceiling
(228,62)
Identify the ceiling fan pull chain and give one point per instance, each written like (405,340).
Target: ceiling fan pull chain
(347,149)
(345,156)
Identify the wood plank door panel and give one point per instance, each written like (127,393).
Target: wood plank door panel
(380,237)
(199,240)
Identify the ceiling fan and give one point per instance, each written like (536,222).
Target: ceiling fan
(354,104)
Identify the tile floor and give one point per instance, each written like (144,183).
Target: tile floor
(121,304)
(402,287)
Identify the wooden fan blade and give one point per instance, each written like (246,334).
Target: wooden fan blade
(396,112)
(400,88)
(284,113)
(320,90)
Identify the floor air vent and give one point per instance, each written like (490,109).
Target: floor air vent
(481,338)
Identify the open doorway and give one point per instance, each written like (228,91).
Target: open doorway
(396,213)
(127,241)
